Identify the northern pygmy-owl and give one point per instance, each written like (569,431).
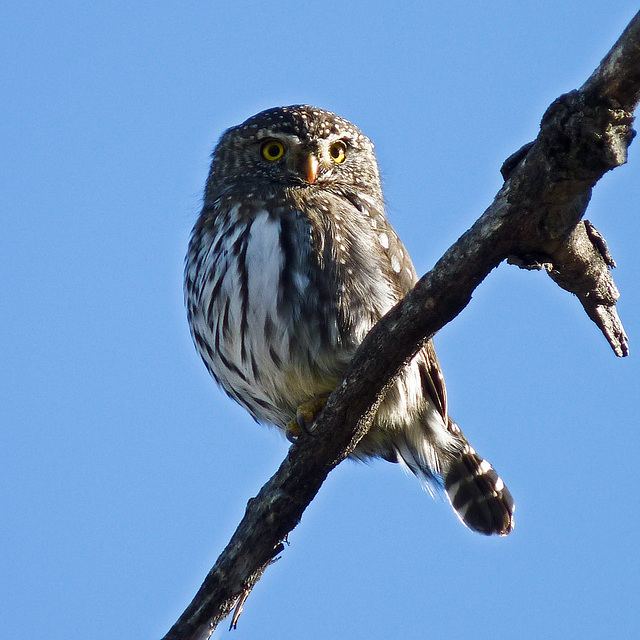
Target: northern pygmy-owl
(290,264)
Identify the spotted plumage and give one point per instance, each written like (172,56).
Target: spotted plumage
(290,264)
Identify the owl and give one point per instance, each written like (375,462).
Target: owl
(290,263)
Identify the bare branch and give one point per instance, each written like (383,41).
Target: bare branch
(536,216)
(582,267)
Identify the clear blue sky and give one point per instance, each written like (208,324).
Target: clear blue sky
(124,471)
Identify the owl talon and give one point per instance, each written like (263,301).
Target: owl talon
(292,431)
(305,417)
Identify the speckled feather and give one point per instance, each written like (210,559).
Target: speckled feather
(286,274)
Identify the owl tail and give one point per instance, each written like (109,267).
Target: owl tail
(478,495)
(476,492)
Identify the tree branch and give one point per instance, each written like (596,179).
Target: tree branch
(534,220)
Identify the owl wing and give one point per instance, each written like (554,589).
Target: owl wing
(404,275)
(433,380)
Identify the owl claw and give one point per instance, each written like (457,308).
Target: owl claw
(292,430)
(305,417)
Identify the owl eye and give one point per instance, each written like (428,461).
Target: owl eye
(272,150)
(338,151)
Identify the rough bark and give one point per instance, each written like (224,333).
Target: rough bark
(535,221)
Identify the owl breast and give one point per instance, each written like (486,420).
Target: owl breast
(277,305)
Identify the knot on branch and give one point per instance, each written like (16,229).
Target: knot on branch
(584,133)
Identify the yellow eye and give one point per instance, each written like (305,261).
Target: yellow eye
(272,150)
(338,151)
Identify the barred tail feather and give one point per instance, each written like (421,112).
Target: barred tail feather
(476,492)
(478,495)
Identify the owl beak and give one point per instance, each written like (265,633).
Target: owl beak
(311,166)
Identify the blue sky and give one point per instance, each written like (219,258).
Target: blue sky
(124,471)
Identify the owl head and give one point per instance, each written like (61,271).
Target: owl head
(299,147)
